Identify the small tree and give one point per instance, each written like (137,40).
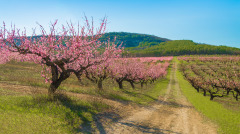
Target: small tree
(98,73)
(71,50)
(117,71)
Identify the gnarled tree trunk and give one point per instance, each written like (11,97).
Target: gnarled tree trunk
(56,80)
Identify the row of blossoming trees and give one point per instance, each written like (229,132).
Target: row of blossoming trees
(132,70)
(76,50)
(216,76)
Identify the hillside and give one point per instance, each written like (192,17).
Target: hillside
(132,39)
(181,47)
(149,45)
(129,39)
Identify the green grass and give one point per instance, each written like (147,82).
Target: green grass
(227,120)
(27,114)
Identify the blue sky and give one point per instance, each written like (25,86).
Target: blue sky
(215,22)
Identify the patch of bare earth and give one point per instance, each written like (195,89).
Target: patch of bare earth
(171,114)
(21,89)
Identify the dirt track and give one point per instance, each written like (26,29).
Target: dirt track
(172,114)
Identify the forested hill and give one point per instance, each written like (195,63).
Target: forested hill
(133,39)
(150,45)
(180,47)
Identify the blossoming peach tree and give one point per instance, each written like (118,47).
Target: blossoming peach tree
(70,50)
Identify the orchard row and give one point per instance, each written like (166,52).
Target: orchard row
(134,71)
(217,76)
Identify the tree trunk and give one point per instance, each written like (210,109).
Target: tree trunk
(56,80)
(212,96)
(204,93)
(100,87)
(236,97)
(52,89)
(120,84)
(197,89)
(78,75)
(141,84)
(228,92)
(132,85)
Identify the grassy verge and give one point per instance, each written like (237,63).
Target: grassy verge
(227,120)
(27,114)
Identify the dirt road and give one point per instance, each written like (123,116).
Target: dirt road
(173,114)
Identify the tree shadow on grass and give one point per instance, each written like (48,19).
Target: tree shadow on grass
(87,125)
(78,109)
(79,115)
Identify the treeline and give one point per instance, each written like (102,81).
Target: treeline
(180,47)
(132,39)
